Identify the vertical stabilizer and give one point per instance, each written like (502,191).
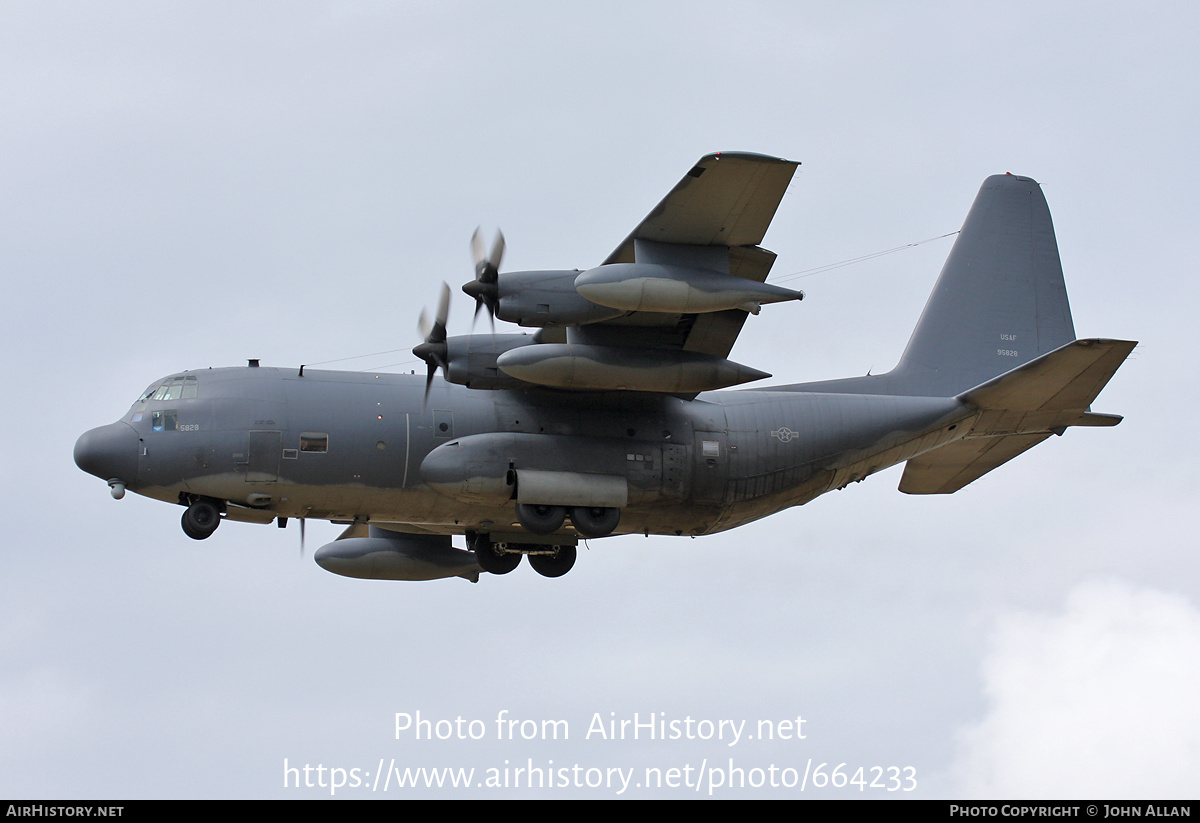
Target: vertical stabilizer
(1000,300)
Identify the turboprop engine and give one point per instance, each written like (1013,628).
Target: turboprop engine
(547,298)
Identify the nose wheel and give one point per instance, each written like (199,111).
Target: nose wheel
(200,519)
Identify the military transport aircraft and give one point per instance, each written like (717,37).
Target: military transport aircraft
(606,420)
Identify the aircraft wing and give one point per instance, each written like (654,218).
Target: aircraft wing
(660,314)
(714,217)
(727,199)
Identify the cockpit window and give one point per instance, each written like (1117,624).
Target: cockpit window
(174,388)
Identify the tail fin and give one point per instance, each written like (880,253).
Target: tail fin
(997,335)
(1000,300)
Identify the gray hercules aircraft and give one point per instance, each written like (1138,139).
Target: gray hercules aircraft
(606,420)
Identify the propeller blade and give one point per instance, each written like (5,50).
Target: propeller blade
(479,304)
(484,288)
(443,313)
(435,332)
(487,265)
(423,325)
(497,254)
(478,252)
(433,349)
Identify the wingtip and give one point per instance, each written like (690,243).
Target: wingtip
(1010,180)
(749,156)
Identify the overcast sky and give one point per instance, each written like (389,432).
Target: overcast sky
(191,185)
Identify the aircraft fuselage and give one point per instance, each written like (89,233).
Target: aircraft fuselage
(351,446)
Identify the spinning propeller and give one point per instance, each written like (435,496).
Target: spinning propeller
(434,351)
(485,287)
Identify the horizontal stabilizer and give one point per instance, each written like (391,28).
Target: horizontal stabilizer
(948,469)
(1020,409)
(1068,378)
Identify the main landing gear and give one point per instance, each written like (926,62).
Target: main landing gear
(555,564)
(200,519)
(594,521)
(491,557)
(589,521)
(547,559)
(501,558)
(540,519)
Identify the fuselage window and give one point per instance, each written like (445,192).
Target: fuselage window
(314,442)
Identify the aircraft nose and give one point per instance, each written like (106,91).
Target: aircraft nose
(109,452)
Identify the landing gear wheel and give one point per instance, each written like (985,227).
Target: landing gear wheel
(593,521)
(541,519)
(493,561)
(554,565)
(200,520)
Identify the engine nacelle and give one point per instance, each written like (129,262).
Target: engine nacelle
(471,360)
(547,298)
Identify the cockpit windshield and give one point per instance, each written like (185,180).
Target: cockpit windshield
(182,387)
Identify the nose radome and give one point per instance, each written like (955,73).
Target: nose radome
(109,452)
